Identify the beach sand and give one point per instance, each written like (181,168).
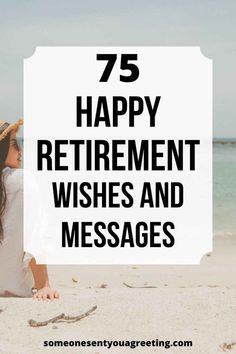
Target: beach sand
(196,303)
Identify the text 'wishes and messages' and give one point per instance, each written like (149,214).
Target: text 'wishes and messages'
(118,154)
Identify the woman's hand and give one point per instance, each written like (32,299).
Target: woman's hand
(45,294)
(41,282)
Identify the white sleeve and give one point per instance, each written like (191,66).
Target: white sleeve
(26,259)
(34,217)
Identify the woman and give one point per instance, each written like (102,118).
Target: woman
(19,273)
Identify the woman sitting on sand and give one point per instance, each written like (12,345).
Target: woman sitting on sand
(19,273)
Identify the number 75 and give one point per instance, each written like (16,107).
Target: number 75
(124,65)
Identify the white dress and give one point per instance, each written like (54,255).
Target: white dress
(15,275)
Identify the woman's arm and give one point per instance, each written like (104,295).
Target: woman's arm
(41,282)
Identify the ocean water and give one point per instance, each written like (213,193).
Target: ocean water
(224,187)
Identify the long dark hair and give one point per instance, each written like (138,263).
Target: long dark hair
(4,147)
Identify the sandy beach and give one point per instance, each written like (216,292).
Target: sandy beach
(196,303)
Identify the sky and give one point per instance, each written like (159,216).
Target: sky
(211,25)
